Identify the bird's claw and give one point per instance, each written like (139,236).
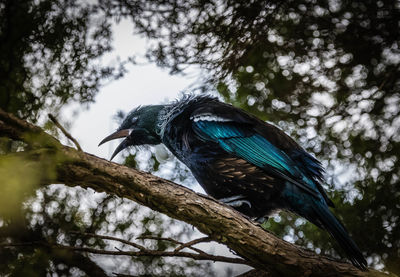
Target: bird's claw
(235,201)
(261,219)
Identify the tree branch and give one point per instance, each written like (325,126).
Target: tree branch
(139,253)
(138,246)
(63,255)
(216,220)
(177,251)
(65,132)
(182,245)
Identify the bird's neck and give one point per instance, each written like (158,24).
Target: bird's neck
(167,114)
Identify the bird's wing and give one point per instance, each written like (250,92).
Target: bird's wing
(240,137)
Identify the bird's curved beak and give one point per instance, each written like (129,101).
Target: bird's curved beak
(118,134)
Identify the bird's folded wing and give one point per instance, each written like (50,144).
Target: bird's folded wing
(241,140)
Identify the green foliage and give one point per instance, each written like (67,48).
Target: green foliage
(17,182)
(50,54)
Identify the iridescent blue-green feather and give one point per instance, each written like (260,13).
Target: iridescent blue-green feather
(256,149)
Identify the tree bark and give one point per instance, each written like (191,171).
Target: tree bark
(220,222)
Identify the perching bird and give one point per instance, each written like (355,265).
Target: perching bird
(239,159)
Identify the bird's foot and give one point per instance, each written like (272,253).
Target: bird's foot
(235,201)
(261,219)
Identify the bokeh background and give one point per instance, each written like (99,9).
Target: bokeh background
(326,72)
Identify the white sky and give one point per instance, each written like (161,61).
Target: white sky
(142,85)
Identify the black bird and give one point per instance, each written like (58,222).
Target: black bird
(239,159)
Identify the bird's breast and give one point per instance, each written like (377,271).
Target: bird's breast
(226,176)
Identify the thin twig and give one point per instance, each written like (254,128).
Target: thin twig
(387,75)
(159,238)
(152,253)
(65,132)
(123,275)
(18,244)
(189,244)
(156,253)
(182,245)
(138,246)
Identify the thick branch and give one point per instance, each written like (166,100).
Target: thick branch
(218,221)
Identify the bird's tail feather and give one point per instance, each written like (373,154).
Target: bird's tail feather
(339,232)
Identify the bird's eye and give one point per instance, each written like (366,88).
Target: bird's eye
(134,120)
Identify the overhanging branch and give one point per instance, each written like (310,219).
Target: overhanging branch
(218,221)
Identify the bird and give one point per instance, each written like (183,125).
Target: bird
(244,162)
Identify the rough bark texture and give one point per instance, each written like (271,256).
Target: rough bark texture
(266,252)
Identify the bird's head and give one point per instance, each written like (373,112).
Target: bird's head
(138,128)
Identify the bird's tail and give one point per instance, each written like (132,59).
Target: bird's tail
(339,232)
